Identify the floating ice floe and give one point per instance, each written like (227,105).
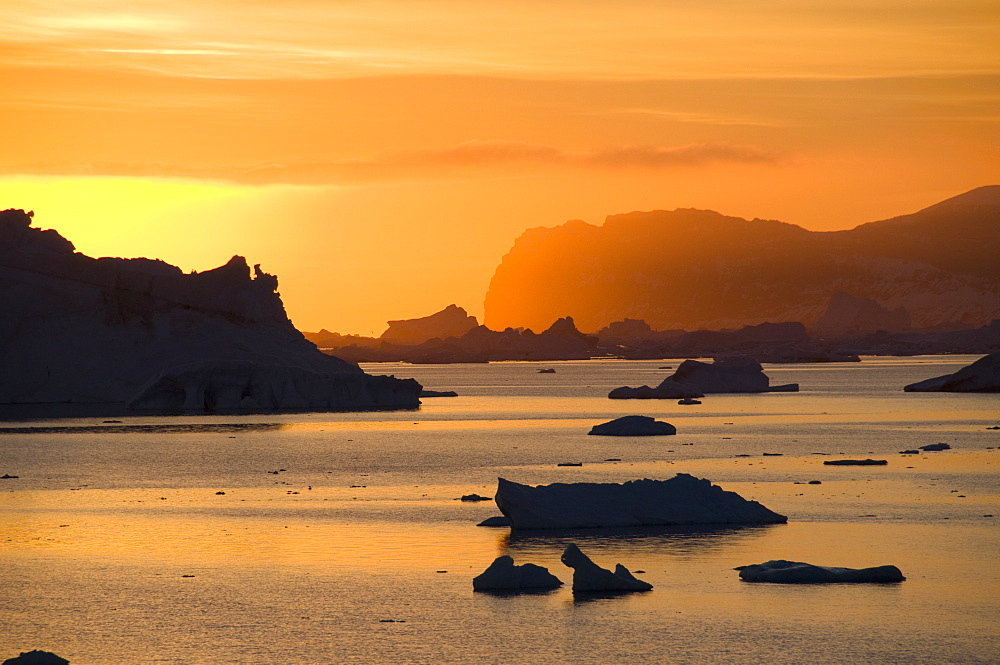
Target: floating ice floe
(633,426)
(797,572)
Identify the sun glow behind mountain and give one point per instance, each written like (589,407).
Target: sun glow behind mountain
(381,157)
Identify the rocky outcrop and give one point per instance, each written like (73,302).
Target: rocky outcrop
(633,426)
(796,572)
(982,376)
(682,499)
(503,575)
(589,577)
(452,321)
(109,331)
(696,269)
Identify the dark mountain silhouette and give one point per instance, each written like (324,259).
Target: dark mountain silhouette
(698,269)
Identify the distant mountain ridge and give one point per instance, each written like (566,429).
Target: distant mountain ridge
(698,269)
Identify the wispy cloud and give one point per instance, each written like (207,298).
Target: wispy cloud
(469,160)
(679,156)
(629,39)
(694,117)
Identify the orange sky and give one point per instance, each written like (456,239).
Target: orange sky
(381,156)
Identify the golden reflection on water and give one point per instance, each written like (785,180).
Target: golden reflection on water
(207,541)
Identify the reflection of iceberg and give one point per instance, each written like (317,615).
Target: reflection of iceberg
(158,428)
(673,541)
(680,500)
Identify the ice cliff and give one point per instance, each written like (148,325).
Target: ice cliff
(76,329)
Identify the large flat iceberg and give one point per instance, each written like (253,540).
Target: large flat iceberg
(681,500)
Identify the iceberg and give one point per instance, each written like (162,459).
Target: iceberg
(588,576)
(982,376)
(503,575)
(693,378)
(728,374)
(36,657)
(668,389)
(797,572)
(633,426)
(109,331)
(681,500)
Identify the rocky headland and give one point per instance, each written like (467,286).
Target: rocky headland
(700,270)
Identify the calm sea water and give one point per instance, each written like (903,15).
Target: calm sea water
(173,540)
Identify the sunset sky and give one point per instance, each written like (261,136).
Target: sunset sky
(381,157)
